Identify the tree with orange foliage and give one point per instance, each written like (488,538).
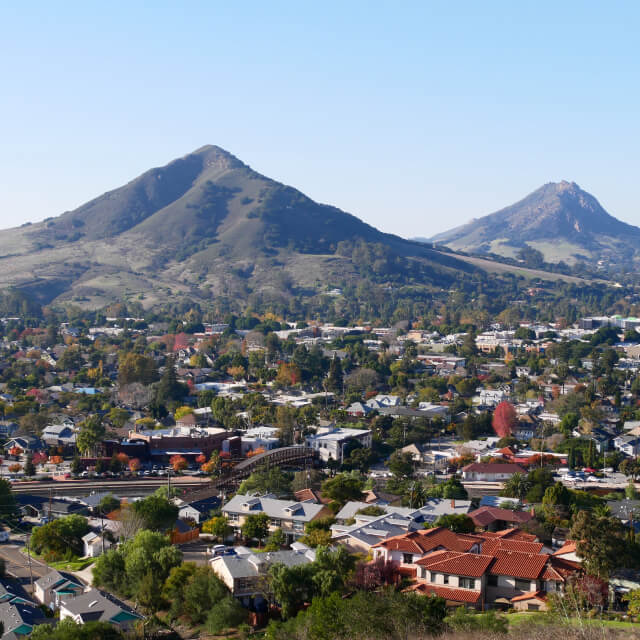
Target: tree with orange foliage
(134,465)
(288,374)
(56,460)
(179,463)
(14,468)
(201,459)
(462,460)
(504,419)
(255,452)
(122,458)
(15,451)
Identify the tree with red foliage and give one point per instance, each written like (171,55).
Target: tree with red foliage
(201,459)
(39,458)
(593,590)
(15,451)
(369,576)
(504,419)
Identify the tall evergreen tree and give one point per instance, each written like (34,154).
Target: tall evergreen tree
(335,377)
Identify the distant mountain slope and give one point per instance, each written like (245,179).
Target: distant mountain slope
(559,219)
(206,224)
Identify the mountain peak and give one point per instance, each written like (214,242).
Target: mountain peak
(554,215)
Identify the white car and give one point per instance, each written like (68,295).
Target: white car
(593,479)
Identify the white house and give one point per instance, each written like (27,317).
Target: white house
(94,544)
(330,442)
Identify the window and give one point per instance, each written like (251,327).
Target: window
(275,522)
(466,583)
(407,558)
(445,578)
(533,607)
(233,517)
(523,585)
(492,581)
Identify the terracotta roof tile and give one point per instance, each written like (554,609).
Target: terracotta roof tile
(472,565)
(484,516)
(425,540)
(568,547)
(509,544)
(519,565)
(452,595)
(531,595)
(496,467)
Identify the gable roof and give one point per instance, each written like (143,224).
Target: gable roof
(473,565)
(484,516)
(518,564)
(453,595)
(494,467)
(98,605)
(426,540)
(284,509)
(568,547)
(531,595)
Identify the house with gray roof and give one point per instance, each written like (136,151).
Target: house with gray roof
(430,511)
(244,572)
(19,618)
(54,586)
(359,532)
(287,515)
(95,605)
(59,435)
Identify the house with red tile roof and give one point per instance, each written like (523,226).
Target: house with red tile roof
(504,565)
(568,551)
(495,519)
(490,471)
(406,549)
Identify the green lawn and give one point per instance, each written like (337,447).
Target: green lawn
(63,565)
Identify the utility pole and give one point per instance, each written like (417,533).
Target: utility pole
(29,561)
(50,503)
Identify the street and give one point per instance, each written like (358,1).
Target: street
(17,564)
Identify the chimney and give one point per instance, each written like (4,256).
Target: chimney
(453,503)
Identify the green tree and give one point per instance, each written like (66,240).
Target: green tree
(343,487)
(267,480)
(70,630)
(169,389)
(517,486)
(600,542)
(203,592)
(228,613)
(217,526)
(122,569)
(173,590)
(256,527)
(90,435)
(118,417)
(335,377)
(29,467)
(60,538)
(401,465)
(158,512)
(276,541)
(456,522)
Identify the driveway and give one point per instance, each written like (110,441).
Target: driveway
(195,551)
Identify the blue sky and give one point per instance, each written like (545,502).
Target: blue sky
(414,116)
